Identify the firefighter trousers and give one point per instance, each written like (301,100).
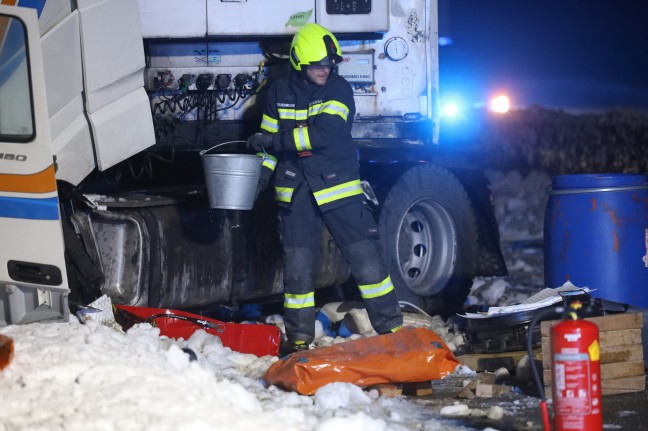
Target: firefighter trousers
(355,232)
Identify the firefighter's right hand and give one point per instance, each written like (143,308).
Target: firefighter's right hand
(259,142)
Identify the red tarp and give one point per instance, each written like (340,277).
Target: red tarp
(260,340)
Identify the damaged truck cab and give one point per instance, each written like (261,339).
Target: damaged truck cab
(101,185)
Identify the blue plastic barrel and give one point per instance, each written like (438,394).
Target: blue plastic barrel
(596,235)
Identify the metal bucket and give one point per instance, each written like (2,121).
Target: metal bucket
(596,235)
(231,179)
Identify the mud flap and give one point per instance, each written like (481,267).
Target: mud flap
(84,276)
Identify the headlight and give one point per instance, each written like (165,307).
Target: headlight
(450,110)
(500,104)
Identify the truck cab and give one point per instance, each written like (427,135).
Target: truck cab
(133,92)
(34,281)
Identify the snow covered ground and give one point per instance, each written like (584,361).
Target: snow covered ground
(73,376)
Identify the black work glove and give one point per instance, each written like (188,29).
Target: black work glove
(259,141)
(262,184)
(259,188)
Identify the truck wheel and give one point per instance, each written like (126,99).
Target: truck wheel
(429,237)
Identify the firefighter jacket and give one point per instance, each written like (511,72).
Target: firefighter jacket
(312,146)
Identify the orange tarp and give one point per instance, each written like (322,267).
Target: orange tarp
(6,351)
(409,355)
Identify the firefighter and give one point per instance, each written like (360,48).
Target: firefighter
(306,132)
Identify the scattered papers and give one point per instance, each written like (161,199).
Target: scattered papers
(545,298)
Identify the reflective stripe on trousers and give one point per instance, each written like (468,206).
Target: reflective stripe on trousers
(353,229)
(369,291)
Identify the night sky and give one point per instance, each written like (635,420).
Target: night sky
(571,54)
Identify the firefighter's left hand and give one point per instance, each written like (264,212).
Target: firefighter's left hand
(259,142)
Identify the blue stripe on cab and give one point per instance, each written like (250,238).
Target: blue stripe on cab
(31,209)
(34,4)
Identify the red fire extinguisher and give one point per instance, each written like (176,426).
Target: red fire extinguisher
(576,374)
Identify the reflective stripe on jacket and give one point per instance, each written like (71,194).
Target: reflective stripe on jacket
(311,129)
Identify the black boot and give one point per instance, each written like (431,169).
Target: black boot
(288,347)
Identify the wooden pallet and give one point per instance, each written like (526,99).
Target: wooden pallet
(480,385)
(481,362)
(417,389)
(622,362)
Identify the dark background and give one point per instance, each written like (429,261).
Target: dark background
(577,55)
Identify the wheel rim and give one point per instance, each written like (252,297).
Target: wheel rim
(426,247)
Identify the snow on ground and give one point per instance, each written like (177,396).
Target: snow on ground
(73,376)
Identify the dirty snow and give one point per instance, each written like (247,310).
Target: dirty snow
(73,376)
(70,375)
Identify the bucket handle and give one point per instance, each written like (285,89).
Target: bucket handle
(265,154)
(219,145)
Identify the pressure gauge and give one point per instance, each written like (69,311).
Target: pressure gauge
(396,48)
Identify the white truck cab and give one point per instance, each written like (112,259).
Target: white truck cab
(106,105)
(33,279)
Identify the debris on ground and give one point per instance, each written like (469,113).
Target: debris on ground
(6,351)
(339,322)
